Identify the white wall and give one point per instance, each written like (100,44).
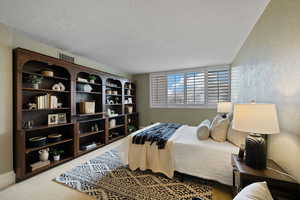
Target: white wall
(267,69)
(9,40)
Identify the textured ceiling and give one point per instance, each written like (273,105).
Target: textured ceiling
(137,36)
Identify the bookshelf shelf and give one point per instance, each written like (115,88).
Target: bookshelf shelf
(82,82)
(90,114)
(90,133)
(47,127)
(52,164)
(116,87)
(47,77)
(43,90)
(48,145)
(99,145)
(118,95)
(117,126)
(46,109)
(83,92)
(116,139)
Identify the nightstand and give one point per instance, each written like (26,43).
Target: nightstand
(281,186)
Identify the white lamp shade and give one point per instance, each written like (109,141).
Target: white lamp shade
(224,107)
(255,118)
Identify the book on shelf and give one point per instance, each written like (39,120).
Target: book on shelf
(47,102)
(39,165)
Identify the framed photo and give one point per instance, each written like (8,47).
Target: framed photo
(52,119)
(62,118)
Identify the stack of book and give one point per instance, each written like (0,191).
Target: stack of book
(39,164)
(47,101)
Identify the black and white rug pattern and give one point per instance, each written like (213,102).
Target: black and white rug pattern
(105,178)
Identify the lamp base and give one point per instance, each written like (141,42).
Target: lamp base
(256,154)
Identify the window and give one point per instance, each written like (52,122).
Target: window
(191,88)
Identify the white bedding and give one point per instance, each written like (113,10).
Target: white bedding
(206,159)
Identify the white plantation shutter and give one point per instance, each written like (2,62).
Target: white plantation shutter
(175,88)
(195,88)
(218,86)
(204,86)
(158,90)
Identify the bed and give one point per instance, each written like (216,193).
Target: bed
(184,153)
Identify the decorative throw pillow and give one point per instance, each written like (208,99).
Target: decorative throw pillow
(255,191)
(236,137)
(203,130)
(219,128)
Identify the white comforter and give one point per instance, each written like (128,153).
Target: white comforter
(206,159)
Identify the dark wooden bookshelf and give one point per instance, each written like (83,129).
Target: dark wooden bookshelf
(80,128)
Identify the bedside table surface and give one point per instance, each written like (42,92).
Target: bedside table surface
(265,173)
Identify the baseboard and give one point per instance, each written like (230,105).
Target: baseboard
(7,179)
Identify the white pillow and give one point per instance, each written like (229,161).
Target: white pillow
(255,191)
(203,130)
(236,137)
(219,128)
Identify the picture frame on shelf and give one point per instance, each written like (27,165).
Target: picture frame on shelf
(62,118)
(52,119)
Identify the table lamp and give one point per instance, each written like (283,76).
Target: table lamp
(224,108)
(256,119)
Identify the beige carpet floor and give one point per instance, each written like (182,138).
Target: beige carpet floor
(42,186)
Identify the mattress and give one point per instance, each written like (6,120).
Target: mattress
(206,159)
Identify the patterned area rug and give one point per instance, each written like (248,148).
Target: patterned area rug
(105,177)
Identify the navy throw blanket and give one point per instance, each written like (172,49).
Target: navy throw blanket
(160,134)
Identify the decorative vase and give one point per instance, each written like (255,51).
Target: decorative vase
(35,86)
(56,158)
(44,154)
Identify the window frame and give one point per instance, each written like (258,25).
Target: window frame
(195,70)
